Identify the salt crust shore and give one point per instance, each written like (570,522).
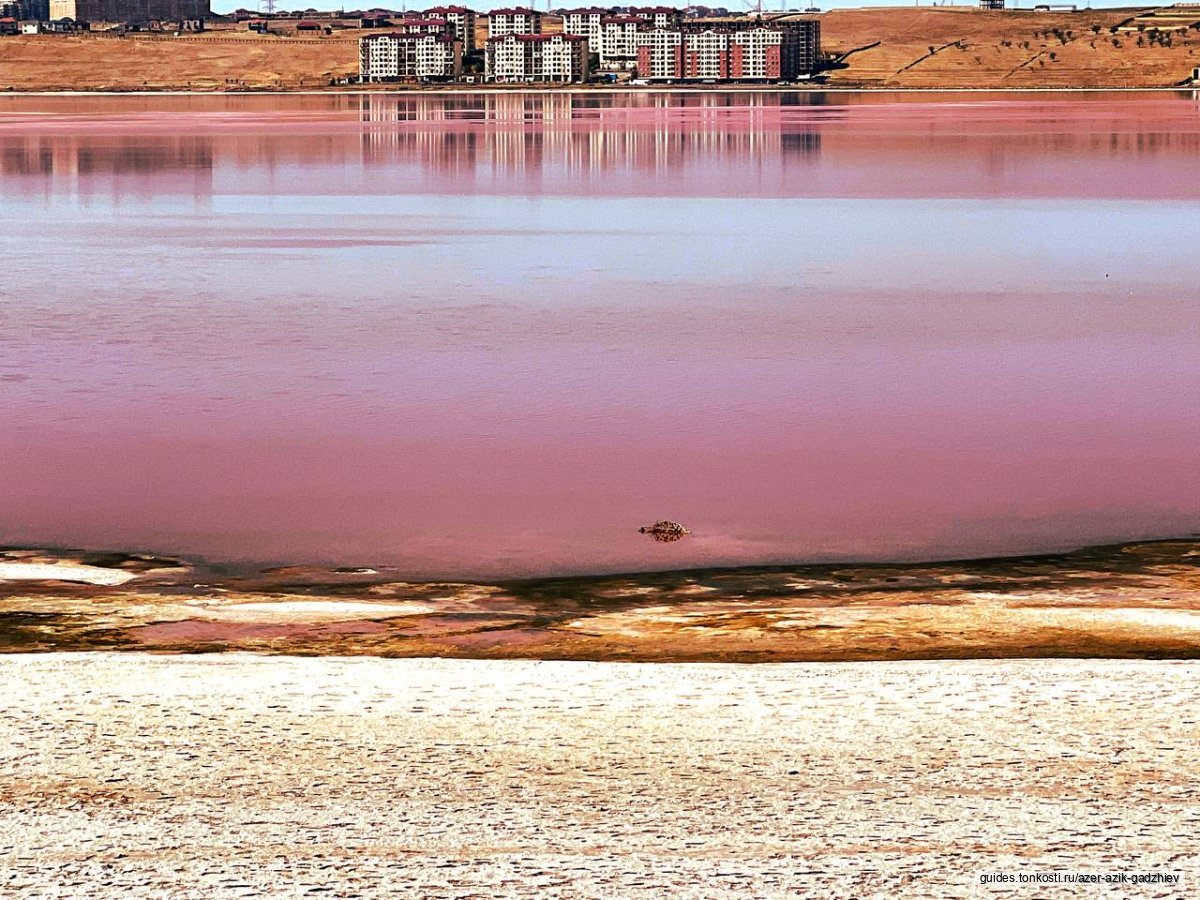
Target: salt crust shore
(131,775)
(63,572)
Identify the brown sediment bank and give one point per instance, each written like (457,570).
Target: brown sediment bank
(944,48)
(1130,600)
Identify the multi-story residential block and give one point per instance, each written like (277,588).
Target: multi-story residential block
(777,52)
(706,55)
(128,10)
(517,20)
(423,26)
(559,58)
(587,23)
(462,23)
(409,57)
(660,54)
(657,16)
(766,54)
(619,39)
(36,10)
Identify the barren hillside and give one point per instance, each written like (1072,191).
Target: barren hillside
(229,62)
(967,47)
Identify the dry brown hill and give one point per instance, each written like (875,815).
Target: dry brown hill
(229,61)
(967,47)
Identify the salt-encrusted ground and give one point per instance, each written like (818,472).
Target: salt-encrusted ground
(130,775)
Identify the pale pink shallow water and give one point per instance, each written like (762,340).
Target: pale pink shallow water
(493,335)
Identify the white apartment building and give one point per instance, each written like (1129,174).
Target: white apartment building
(587,23)
(557,58)
(752,49)
(660,53)
(706,55)
(620,39)
(517,20)
(422,26)
(461,21)
(657,16)
(409,57)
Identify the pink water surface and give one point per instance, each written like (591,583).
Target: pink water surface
(494,334)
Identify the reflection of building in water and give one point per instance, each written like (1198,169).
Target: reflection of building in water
(182,163)
(699,142)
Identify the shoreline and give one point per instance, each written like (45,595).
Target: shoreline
(575,89)
(241,568)
(1136,600)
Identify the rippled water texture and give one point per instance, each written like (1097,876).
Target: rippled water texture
(495,334)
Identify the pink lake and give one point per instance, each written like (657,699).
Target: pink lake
(491,335)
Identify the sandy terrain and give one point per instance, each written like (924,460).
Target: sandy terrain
(916,47)
(1012,49)
(230,61)
(1134,600)
(223,776)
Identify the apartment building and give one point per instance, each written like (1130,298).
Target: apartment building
(586,22)
(619,39)
(423,26)
(706,56)
(461,20)
(779,52)
(409,57)
(657,16)
(660,54)
(128,10)
(38,10)
(557,58)
(517,20)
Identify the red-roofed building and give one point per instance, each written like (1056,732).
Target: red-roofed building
(619,41)
(554,58)
(657,16)
(586,22)
(423,26)
(515,20)
(409,57)
(779,52)
(462,23)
